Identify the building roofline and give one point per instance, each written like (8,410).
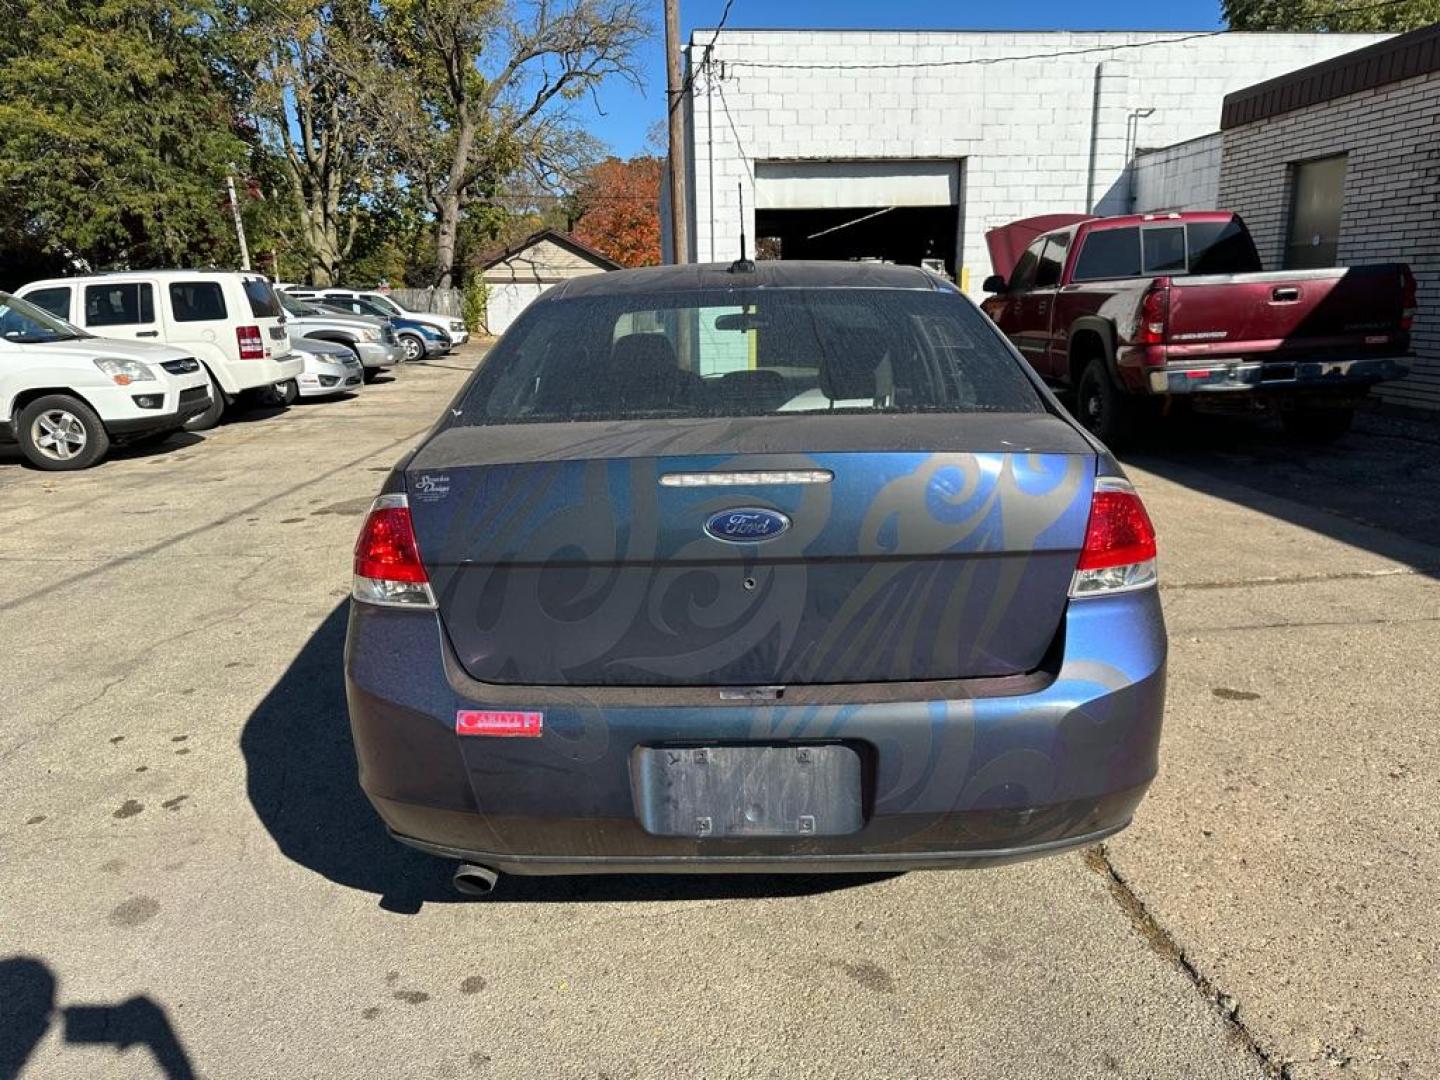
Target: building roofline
(704,32)
(1402,57)
(555,236)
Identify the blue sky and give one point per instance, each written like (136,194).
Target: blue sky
(629,112)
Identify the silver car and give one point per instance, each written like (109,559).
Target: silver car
(373,341)
(329,369)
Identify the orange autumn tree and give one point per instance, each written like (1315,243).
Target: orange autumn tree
(620,210)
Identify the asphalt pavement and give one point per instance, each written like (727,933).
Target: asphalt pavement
(192,885)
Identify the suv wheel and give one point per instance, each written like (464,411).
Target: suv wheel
(210,417)
(1104,409)
(58,432)
(414,346)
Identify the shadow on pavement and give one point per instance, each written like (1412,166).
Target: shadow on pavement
(28,1009)
(182,440)
(301,779)
(1385,474)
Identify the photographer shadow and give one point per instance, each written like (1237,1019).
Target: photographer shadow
(28,1009)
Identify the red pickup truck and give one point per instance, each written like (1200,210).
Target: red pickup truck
(1136,313)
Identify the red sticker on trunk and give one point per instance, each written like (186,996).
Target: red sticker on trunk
(524,725)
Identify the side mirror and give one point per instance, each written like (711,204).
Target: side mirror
(994,284)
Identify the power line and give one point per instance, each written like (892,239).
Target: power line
(979,61)
(990,60)
(744,156)
(704,56)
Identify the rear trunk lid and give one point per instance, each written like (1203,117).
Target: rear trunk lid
(1278,314)
(561,555)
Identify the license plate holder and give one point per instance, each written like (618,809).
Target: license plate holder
(721,792)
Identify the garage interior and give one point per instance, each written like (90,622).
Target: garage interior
(906,212)
(898,234)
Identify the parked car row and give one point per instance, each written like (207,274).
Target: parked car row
(127,358)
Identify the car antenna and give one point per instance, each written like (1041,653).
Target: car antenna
(742,265)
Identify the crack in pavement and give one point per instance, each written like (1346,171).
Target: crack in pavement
(1303,579)
(1160,940)
(1229,628)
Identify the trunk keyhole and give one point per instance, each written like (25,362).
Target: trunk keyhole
(749,584)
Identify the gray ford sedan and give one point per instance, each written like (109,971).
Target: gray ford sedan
(788,566)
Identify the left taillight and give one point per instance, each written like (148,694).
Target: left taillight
(1154,313)
(388,569)
(1119,551)
(251,344)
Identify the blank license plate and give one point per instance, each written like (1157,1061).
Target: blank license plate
(745,791)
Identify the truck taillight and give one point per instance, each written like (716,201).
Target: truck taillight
(388,570)
(1119,551)
(1154,313)
(1408,298)
(252,346)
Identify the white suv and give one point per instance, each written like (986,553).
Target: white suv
(231,322)
(65,395)
(447,323)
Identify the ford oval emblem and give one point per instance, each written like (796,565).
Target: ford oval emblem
(746,525)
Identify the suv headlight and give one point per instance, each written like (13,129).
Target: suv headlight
(125,372)
(369,335)
(456,324)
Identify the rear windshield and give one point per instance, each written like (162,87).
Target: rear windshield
(264,304)
(1197,247)
(747,352)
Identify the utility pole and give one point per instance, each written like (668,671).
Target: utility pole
(674,97)
(239,223)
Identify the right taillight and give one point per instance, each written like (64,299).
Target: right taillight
(388,570)
(1154,313)
(1408,299)
(1119,551)
(252,346)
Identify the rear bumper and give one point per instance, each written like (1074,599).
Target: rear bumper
(237,376)
(1356,374)
(976,776)
(812,863)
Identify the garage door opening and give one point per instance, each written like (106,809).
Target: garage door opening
(909,235)
(904,211)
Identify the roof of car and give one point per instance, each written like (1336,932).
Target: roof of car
(772,274)
(166,273)
(1124,220)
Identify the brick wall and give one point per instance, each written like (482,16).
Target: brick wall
(1021,128)
(1391,211)
(1182,177)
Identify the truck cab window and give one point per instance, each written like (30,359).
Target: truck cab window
(1164,249)
(1052,261)
(1108,253)
(1023,276)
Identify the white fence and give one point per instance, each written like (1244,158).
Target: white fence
(440,301)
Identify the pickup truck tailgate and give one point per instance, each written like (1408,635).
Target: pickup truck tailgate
(1332,311)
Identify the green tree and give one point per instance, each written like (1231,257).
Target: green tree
(116,132)
(1339,16)
(465,93)
(292,66)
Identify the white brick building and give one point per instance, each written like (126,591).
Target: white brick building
(1367,126)
(942,135)
(1185,176)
